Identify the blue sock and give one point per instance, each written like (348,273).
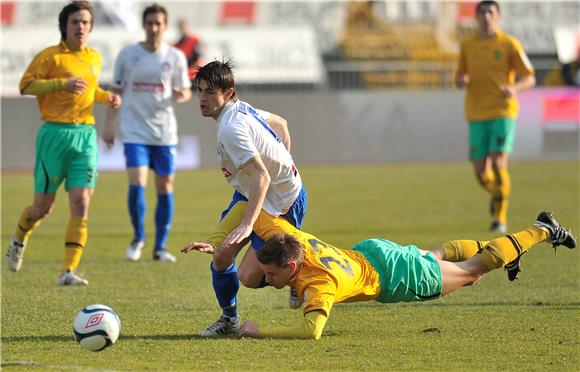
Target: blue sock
(226,285)
(137,207)
(163,218)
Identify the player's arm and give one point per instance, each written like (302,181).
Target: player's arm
(259,180)
(310,328)
(526,78)
(461,77)
(280,126)
(108,135)
(181,84)
(226,226)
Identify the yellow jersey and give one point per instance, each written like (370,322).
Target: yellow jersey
(59,62)
(328,274)
(491,63)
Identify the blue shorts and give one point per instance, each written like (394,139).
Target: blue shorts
(159,158)
(295,215)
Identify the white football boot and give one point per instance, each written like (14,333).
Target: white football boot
(15,254)
(134,250)
(70,278)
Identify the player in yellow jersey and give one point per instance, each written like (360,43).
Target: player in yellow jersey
(64,79)
(374,269)
(493,68)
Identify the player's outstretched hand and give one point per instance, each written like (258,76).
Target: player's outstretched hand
(248,329)
(236,236)
(198,246)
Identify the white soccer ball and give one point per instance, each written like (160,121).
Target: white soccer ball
(96,327)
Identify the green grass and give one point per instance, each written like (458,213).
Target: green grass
(530,324)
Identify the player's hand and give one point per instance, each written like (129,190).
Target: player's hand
(198,246)
(508,90)
(248,329)
(236,236)
(76,85)
(114,100)
(109,136)
(181,95)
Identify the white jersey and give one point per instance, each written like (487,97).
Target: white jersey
(147,80)
(243,133)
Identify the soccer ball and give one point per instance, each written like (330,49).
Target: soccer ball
(96,327)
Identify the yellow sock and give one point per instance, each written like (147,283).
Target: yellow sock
(76,238)
(25,226)
(504,190)
(227,224)
(488,181)
(501,251)
(462,250)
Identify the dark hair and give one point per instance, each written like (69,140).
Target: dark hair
(73,7)
(152,9)
(280,250)
(217,75)
(483,3)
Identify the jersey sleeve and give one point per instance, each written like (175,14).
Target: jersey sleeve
(38,69)
(239,144)
(180,75)
(520,60)
(119,71)
(319,294)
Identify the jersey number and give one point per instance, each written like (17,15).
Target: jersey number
(327,260)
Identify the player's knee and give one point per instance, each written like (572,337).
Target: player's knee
(249,280)
(221,261)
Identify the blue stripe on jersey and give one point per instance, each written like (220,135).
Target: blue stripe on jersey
(245,109)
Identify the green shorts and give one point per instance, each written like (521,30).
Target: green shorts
(404,273)
(488,136)
(65,151)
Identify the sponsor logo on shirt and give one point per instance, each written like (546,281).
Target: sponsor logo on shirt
(143,87)
(166,66)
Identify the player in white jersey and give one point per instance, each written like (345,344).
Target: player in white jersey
(151,76)
(253,150)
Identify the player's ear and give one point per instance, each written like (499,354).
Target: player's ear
(293,266)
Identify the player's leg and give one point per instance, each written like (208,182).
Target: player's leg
(81,179)
(478,154)
(30,218)
(503,250)
(52,143)
(76,236)
(164,166)
(249,272)
(224,272)
(502,137)
(458,250)
(137,159)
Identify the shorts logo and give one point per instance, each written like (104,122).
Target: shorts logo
(90,175)
(94,320)
(54,179)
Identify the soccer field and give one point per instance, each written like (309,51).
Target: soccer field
(532,323)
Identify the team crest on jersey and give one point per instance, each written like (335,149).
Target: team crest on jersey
(497,55)
(226,172)
(166,66)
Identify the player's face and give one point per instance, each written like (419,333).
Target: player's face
(276,276)
(155,26)
(212,101)
(488,18)
(78,28)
